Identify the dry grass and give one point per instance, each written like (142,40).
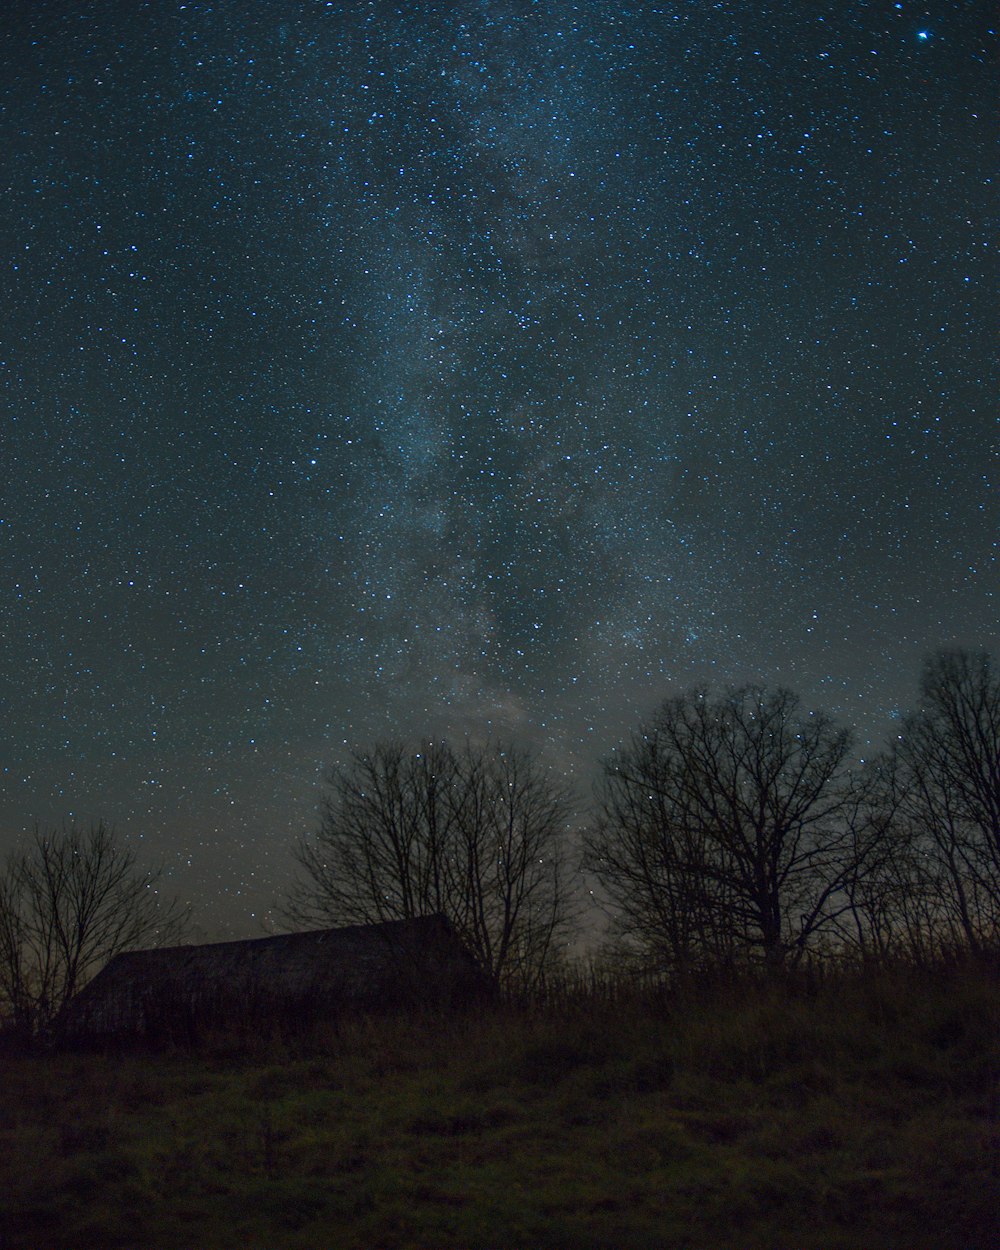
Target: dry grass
(859,1112)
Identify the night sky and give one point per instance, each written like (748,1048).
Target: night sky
(434,369)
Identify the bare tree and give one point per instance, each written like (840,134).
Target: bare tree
(727,829)
(67,904)
(475,835)
(946,791)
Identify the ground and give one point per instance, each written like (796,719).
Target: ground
(859,1112)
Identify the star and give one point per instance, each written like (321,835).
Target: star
(493,368)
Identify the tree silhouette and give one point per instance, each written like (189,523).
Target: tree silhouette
(475,835)
(68,903)
(727,830)
(945,773)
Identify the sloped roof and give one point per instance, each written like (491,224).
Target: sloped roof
(360,964)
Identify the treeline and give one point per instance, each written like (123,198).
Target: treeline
(731,831)
(734,830)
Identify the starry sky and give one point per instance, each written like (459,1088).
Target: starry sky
(493,366)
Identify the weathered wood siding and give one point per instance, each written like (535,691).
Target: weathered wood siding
(178,992)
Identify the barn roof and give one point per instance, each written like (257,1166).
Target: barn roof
(401,960)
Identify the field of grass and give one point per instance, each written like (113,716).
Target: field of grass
(862,1113)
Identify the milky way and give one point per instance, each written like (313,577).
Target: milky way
(468,368)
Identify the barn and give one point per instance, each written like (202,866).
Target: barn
(181,993)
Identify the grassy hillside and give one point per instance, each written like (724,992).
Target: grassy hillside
(861,1113)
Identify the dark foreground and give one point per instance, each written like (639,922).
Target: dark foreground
(861,1114)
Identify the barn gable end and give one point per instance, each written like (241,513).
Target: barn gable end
(176,993)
